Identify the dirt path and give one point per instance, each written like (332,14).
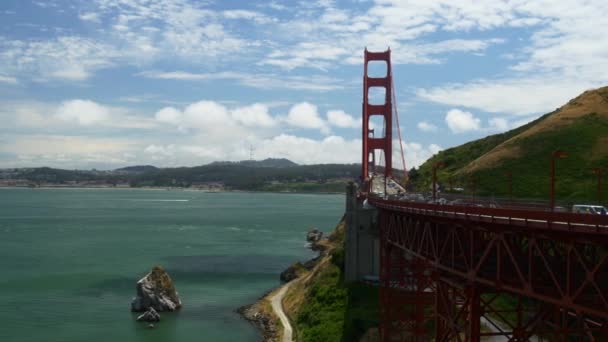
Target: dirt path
(277,306)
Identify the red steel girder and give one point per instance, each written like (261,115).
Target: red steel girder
(566,273)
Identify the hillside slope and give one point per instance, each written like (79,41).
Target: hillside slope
(322,307)
(580,128)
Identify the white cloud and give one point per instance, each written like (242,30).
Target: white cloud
(257,17)
(306,115)
(73,116)
(67,151)
(518,96)
(8,79)
(426,127)
(261,81)
(498,124)
(216,119)
(207,116)
(68,57)
(460,121)
(83,112)
(415,153)
(169,115)
(89,16)
(339,118)
(254,115)
(566,54)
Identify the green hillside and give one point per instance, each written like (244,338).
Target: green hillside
(580,128)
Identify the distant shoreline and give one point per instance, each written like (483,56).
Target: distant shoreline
(165,188)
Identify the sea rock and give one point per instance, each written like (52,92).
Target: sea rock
(149,316)
(314,235)
(156,291)
(267,325)
(291,272)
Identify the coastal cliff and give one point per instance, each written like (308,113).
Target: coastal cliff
(320,306)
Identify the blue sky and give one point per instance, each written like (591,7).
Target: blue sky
(110,83)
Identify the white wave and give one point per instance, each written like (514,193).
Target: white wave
(157,200)
(259,231)
(236,229)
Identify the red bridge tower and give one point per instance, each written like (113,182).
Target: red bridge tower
(371,141)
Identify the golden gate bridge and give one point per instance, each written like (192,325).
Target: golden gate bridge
(470,273)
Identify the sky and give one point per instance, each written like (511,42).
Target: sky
(109,83)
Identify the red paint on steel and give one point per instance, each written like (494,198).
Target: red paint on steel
(370,143)
(559,273)
(447,269)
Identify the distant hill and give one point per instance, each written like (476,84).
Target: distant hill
(580,128)
(265,175)
(243,176)
(138,169)
(269,162)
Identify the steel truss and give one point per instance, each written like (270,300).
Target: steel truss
(460,280)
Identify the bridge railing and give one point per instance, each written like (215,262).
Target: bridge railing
(542,220)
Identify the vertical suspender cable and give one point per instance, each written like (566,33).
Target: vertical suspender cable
(398,128)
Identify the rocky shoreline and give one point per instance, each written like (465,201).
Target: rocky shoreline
(265,320)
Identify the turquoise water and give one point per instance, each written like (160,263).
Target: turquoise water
(69,259)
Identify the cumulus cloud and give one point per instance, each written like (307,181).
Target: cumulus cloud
(426,127)
(254,115)
(306,115)
(169,115)
(83,112)
(215,118)
(339,118)
(460,121)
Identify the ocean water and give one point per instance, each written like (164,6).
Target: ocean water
(70,258)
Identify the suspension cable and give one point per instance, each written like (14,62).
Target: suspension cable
(405,174)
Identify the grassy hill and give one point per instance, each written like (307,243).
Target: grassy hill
(322,307)
(580,128)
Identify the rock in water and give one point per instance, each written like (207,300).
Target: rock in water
(156,290)
(314,235)
(149,316)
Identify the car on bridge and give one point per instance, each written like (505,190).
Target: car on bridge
(589,209)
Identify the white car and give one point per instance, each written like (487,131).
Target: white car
(589,209)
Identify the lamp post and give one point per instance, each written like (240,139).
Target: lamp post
(435,167)
(509,175)
(474,187)
(556,154)
(598,171)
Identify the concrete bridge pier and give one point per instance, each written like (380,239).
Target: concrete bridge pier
(362,241)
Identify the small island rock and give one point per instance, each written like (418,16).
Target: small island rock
(314,235)
(149,316)
(156,291)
